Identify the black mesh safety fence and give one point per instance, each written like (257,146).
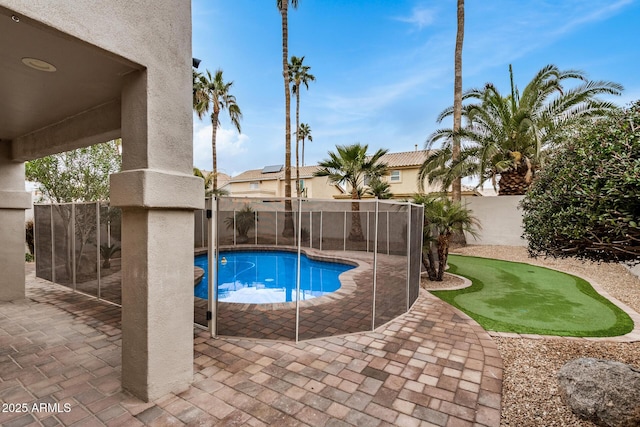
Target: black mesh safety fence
(391,285)
(110,255)
(415,251)
(43,241)
(86,247)
(78,246)
(283,269)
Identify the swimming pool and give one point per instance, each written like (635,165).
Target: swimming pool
(256,277)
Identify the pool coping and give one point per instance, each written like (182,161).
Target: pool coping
(348,283)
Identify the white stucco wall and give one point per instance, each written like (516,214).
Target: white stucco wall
(500,218)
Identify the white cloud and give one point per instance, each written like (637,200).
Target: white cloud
(231,148)
(420,17)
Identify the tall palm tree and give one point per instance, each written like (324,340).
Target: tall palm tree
(299,75)
(456,190)
(283,7)
(304,132)
(507,136)
(212,92)
(350,165)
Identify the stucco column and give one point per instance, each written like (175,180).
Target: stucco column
(157,193)
(13,202)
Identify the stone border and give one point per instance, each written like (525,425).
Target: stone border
(466,283)
(348,284)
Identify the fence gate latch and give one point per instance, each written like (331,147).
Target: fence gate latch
(209,315)
(209,213)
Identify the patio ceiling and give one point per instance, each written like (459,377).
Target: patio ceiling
(85,76)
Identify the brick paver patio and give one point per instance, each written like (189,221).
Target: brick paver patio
(432,366)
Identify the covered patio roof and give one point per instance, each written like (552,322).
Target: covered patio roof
(48,77)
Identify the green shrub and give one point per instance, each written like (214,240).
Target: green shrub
(586,201)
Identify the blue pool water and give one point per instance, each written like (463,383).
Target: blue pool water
(269,277)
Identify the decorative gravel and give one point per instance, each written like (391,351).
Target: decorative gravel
(530,394)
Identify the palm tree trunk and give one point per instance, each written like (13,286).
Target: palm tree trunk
(443,254)
(303,152)
(214,134)
(456,189)
(429,263)
(513,183)
(355,235)
(297,142)
(288,214)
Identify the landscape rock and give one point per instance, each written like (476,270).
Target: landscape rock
(604,392)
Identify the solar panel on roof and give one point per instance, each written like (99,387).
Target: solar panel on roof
(272,169)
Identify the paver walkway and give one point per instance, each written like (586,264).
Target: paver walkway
(431,367)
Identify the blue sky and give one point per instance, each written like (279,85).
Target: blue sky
(384,68)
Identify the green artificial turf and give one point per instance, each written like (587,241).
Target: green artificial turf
(522,298)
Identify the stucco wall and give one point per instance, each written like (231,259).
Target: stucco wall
(500,218)
(151,106)
(408,184)
(115,26)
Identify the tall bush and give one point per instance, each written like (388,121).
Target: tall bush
(586,202)
(442,217)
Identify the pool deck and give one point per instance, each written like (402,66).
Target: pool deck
(433,366)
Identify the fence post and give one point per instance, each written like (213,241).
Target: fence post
(212,259)
(344,233)
(53,246)
(368,231)
(98,246)
(73,244)
(375,270)
(408,238)
(321,235)
(388,237)
(310,229)
(234,227)
(203,233)
(298,269)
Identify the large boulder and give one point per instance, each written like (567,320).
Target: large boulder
(604,392)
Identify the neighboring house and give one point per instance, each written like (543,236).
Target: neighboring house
(223,181)
(269,181)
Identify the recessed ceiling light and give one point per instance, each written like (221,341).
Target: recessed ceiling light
(39,64)
(15,18)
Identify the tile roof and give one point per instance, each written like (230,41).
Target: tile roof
(393,160)
(223,178)
(405,159)
(257,175)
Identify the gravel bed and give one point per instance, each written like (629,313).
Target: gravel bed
(530,394)
(448,281)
